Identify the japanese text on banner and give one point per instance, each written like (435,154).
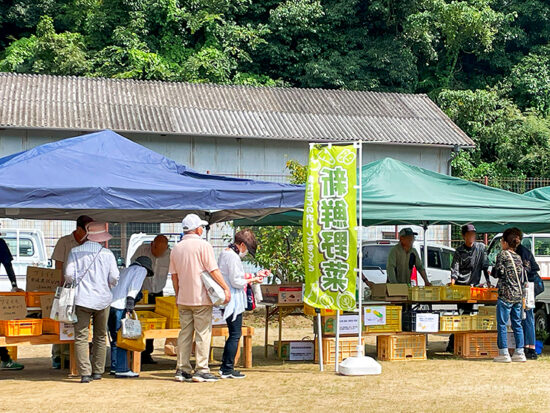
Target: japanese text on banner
(329,228)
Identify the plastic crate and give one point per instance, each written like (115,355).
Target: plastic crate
(492,294)
(455,293)
(166,306)
(19,328)
(23,293)
(33,297)
(401,347)
(12,352)
(484,322)
(487,310)
(151,321)
(173,322)
(347,347)
(477,293)
(50,326)
(309,310)
(425,294)
(393,321)
(450,323)
(476,345)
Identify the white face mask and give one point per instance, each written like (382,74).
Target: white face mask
(242,254)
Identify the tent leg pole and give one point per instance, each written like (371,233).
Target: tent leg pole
(319,339)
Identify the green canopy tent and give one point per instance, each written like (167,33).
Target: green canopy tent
(540,193)
(396,193)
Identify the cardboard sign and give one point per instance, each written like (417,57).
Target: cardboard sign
(46,302)
(13,307)
(427,323)
(301,350)
(347,324)
(375,315)
(66,332)
(43,279)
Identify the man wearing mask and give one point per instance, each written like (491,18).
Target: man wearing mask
(469,261)
(6,363)
(189,259)
(159,253)
(60,256)
(402,258)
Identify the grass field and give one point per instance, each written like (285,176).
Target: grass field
(440,384)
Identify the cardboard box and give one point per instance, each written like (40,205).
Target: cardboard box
(295,350)
(291,294)
(270,293)
(390,292)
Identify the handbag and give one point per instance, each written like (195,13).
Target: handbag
(131,327)
(214,290)
(63,306)
(130,344)
(250,299)
(539,285)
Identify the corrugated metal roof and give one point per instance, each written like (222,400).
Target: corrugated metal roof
(81,103)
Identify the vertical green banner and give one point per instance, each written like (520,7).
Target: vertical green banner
(329,228)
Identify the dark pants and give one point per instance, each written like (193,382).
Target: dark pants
(4,355)
(119,356)
(463,309)
(232,343)
(150,343)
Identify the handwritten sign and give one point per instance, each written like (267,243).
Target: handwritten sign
(46,302)
(66,332)
(43,279)
(375,316)
(13,307)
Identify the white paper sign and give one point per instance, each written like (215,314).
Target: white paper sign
(217,317)
(375,315)
(427,323)
(66,332)
(301,350)
(348,324)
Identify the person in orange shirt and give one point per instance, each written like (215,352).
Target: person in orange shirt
(188,260)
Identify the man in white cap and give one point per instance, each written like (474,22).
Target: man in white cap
(189,258)
(94,270)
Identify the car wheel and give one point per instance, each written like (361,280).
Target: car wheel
(541,322)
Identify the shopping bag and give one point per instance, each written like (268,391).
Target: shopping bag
(63,306)
(130,344)
(529,295)
(131,327)
(250,300)
(257,290)
(214,290)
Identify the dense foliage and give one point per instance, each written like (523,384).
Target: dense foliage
(486,62)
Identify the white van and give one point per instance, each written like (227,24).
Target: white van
(375,257)
(137,240)
(28,249)
(539,244)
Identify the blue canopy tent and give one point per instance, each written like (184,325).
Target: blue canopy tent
(114,179)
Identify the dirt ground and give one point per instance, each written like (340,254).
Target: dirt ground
(440,384)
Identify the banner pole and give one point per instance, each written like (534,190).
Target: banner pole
(319,338)
(359,145)
(337,347)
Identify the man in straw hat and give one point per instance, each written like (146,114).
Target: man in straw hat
(94,270)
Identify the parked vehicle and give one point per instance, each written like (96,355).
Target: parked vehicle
(28,249)
(375,257)
(137,240)
(539,244)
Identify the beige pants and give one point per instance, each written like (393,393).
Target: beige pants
(196,319)
(81,330)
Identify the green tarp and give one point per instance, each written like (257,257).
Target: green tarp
(396,193)
(540,193)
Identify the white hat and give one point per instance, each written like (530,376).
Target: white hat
(191,222)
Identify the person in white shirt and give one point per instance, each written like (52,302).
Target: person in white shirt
(124,297)
(159,253)
(94,270)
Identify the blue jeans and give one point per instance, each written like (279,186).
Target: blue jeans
(505,312)
(119,357)
(529,327)
(232,343)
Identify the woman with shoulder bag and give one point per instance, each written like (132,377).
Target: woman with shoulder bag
(231,267)
(511,300)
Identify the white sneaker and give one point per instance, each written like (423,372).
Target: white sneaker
(128,375)
(503,359)
(519,358)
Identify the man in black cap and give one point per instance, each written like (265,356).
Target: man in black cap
(402,258)
(469,260)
